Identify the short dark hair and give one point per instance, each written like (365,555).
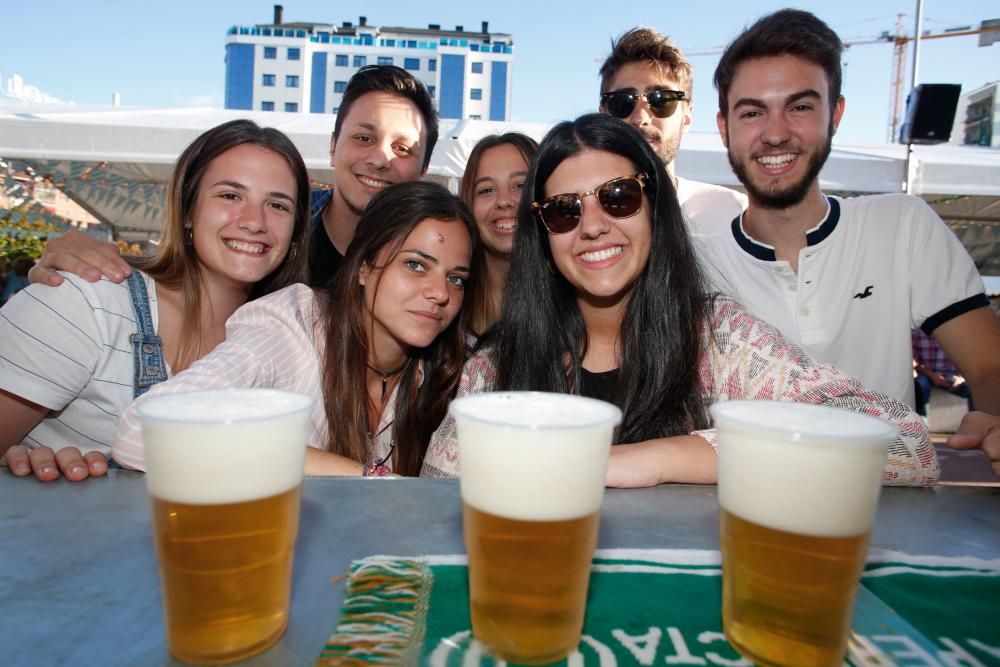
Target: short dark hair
(647,45)
(397,81)
(792,31)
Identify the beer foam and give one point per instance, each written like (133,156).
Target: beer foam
(533,456)
(806,469)
(226,446)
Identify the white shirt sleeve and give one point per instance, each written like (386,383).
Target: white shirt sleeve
(52,340)
(942,274)
(271,342)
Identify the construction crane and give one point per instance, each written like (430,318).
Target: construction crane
(900,42)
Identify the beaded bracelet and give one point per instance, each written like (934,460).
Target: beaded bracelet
(377,469)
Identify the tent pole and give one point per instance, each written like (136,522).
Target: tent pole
(908,174)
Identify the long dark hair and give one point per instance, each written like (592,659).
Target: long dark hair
(540,338)
(480,313)
(420,405)
(176,262)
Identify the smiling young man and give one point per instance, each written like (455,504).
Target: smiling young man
(385,132)
(646,81)
(845,278)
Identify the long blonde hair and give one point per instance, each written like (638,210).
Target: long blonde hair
(176,263)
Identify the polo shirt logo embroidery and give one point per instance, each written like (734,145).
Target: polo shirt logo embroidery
(864,295)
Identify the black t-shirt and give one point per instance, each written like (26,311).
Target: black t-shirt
(324,259)
(598,385)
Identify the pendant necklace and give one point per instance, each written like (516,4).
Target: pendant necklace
(385,375)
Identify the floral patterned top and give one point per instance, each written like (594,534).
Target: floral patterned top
(744,358)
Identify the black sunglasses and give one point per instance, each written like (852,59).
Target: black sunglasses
(619,198)
(662,101)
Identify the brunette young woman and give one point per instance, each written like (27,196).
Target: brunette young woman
(491,188)
(380,350)
(73,356)
(605,299)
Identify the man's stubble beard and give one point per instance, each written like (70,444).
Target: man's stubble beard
(792,195)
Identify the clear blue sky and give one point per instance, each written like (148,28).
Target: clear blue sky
(171,53)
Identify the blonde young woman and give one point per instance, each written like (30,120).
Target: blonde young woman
(491,188)
(73,356)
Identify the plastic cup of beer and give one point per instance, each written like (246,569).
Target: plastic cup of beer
(532,468)
(224,471)
(798,489)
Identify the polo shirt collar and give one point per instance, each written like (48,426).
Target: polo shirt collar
(814,236)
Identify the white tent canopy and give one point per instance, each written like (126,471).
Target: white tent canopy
(116,162)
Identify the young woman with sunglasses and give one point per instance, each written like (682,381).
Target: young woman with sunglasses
(380,350)
(73,356)
(605,299)
(491,188)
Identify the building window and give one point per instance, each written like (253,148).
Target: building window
(432,65)
(412,64)
(411,43)
(335,110)
(385,60)
(293,54)
(475,116)
(341,60)
(477,68)
(267,106)
(267,80)
(360,61)
(292,81)
(390,42)
(432,90)
(270,52)
(339,86)
(475,93)
(292,106)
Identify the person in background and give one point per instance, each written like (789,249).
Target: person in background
(848,279)
(932,368)
(380,349)
(72,357)
(605,298)
(647,82)
(384,133)
(3,278)
(16,279)
(491,188)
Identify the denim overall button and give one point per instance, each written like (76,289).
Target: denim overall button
(147,348)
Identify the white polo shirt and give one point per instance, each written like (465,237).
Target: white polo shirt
(873,270)
(708,208)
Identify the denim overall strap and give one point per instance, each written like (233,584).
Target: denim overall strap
(147,349)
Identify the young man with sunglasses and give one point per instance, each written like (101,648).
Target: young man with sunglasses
(384,133)
(847,279)
(646,81)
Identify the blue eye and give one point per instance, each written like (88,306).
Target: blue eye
(457,281)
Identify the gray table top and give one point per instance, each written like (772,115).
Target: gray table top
(79,583)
